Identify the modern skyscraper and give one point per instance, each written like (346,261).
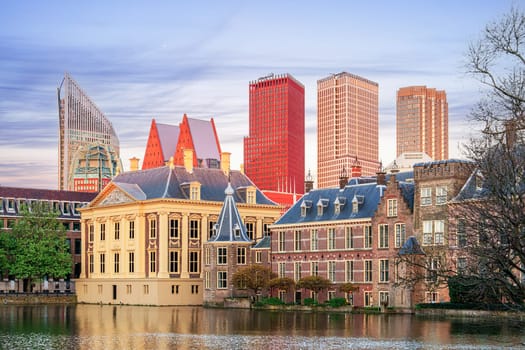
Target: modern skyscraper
(422,121)
(88,145)
(347,126)
(274,149)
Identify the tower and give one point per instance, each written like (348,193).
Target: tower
(422,121)
(274,149)
(347,126)
(89,151)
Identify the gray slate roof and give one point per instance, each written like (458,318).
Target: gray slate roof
(368,195)
(164,182)
(204,137)
(229,227)
(411,247)
(168,138)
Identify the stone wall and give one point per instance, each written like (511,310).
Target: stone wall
(31,299)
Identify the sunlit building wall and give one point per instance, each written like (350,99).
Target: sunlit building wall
(84,127)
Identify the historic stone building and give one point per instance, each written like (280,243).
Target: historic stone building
(143,234)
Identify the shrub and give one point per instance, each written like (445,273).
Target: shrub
(310,302)
(336,302)
(271,301)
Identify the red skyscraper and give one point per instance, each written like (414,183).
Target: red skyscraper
(274,149)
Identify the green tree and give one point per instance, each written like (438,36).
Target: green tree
(6,252)
(253,277)
(313,283)
(281,283)
(39,245)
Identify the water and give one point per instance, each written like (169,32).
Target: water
(139,327)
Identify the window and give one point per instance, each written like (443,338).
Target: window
(153,228)
(427,232)
(441,195)
(331,238)
(392,207)
(131,262)
(383,236)
(426,196)
(349,238)
(266,229)
(349,271)
(250,230)
(152,262)
(368,236)
(91,263)
(195,192)
(303,211)
(314,268)
(145,288)
(207,256)
(117,230)
(174,262)
(194,229)
(195,289)
(314,240)
(297,240)
(174,228)
(432,297)
(65,207)
(194,262)
(368,270)
(461,234)
(222,258)
(91,233)
(11,205)
(331,271)
(212,228)
(319,210)
(297,271)
(116,262)
(241,255)
(432,271)
(102,263)
(282,270)
(132,230)
(383,298)
(439,232)
(383,270)
(258,257)
(222,279)
(369,300)
(102,232)
(461,265)
(400,235)
(281,241)
(128,289)
(76,226)
(250,196)
(355,206)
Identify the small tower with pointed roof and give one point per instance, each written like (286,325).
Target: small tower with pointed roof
(227,250)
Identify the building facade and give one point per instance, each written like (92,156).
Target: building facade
(422,121)
(274,150)
(347,234)
(347,126)
(143,235)
(66,203)
(84,134)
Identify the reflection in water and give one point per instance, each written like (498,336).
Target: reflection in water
(138,327)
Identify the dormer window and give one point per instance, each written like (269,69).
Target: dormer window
(237,230)
(195,191)
(65,208)
(10,205)
(250,195)
(338,204)
(355,205)
(320,205)
(305,205)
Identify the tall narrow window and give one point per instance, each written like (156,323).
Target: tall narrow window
(250,230)
(174,228)
(439,232)
(314,268)
(368,270)
(282,269)
(212,228)
(297,240)
(116,262)
(461,234)
(102,263)
(400,235)
(174,261)
(152,262)
(117,230)
(331,271)
(266,229)
(368,236)
(427,232)
(281,242)
(297,271)
(383,270)
(441,195)
(331,238)
(132,230)
(349,238)
(383,236)
(194,262)
(314,240)
(91,263)
(222,279)
(222,253)
(194,229)
(426,196)
(131,262)
(91,233)
(349,271)
(392,207)
(241,255)
(102,232)
(153,228)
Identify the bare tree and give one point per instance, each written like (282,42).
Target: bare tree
(490,230)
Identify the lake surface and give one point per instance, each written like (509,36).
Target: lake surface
(141,327)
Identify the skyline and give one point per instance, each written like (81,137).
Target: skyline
(138,62)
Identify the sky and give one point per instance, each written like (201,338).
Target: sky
(140,60)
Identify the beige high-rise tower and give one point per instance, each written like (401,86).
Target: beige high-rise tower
(347,126)
(422,121)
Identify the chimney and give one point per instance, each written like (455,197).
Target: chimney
(188,160)
(171,163)
(242,169)
(356,169)
(343,179)
(381,175)
(134,164)
(225,162)
(308,182)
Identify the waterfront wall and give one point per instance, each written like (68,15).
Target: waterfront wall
(469,313)
(32,299)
